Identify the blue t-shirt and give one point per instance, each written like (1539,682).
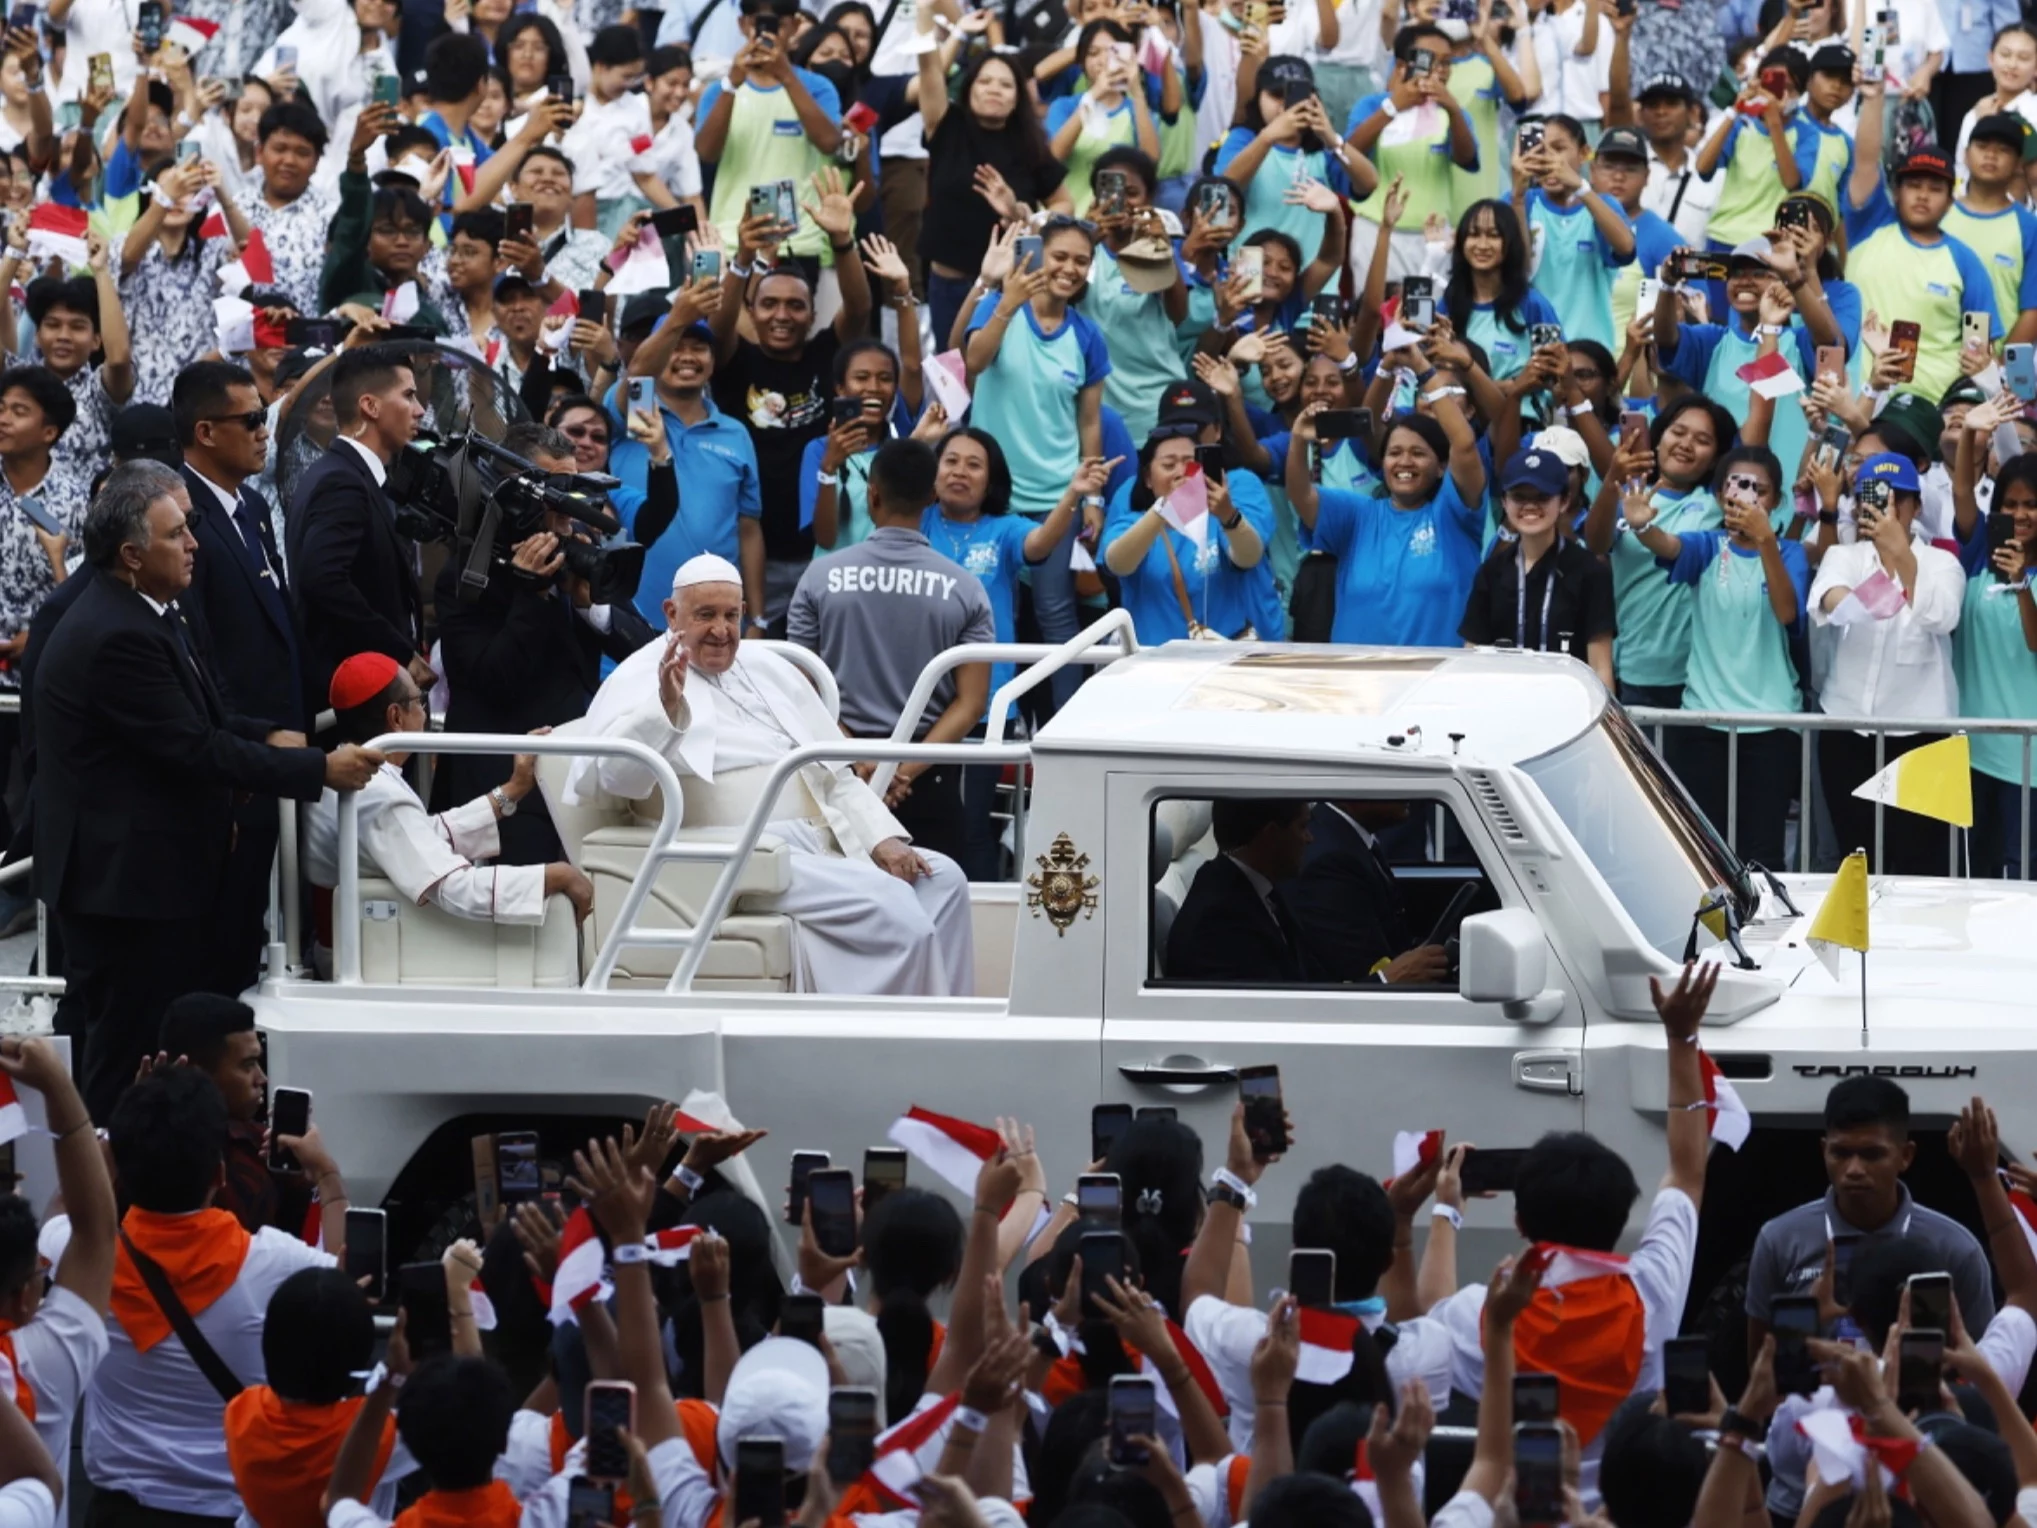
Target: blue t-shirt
(1507,347)
(1403,575)
(1027,396)
(1708,357)
(993,547)
(1739,653)
(717,468)
(1221,595)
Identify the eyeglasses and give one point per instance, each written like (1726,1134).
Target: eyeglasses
(408,231)
(252,420)
(585,432)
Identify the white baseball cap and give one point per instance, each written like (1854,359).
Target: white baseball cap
(779,1389)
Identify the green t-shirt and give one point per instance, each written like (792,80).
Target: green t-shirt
(1476,87)
(1997,674)
(1653,645)
(767,142)
(1415,146)
(1144,357)
(2006,242)
(1752,188)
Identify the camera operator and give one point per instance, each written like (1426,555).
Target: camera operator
(525,653)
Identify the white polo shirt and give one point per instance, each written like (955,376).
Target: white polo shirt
(59,1351)
(154,1426)
(1901,666)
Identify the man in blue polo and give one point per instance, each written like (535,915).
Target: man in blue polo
(703,449)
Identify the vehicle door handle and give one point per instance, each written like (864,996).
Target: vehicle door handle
(1550,1071)
(1182,1075)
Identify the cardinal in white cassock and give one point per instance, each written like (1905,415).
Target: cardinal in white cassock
(872,914)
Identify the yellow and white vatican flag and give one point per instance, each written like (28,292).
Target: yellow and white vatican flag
(1933,781)
(1841,920)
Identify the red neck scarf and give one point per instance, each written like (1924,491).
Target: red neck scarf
(1589,1331)
(201,1253)
(282,1454)
(489,1506)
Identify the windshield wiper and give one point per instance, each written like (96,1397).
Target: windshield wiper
(1775,885)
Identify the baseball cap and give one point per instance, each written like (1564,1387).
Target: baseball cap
(146,431)
(1833,58)
(1757,249)
(859,1349)
(643,311)
(1912,416)
(513,280)
(1622,143)
(2003,127)
(1147,265)
(1189,401)
(1666,82)
(1567,445)
(1899,472)
(1965,390)
(1282,69)
(1542,471)
(779,1389)
(1928,160)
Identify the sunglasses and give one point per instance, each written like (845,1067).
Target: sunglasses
(253,419)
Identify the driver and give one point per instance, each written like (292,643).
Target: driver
(1349,905)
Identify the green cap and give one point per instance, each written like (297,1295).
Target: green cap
(1918,421)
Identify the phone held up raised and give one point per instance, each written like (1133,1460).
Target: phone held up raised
(1265,1118)
(289,1114)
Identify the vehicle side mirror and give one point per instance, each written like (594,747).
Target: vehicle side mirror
(1503,958)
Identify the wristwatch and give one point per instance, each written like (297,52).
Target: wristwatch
(1223,1193)
(1742,1426)
(504,805)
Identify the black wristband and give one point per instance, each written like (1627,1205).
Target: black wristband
(1828,517)
(1741,1425)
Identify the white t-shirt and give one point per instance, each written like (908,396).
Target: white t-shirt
(1922,29)
(672,158)
(154,1426)
(1227,1335)
(60,1349)
(599,145)
(1683,198)
(1570,84)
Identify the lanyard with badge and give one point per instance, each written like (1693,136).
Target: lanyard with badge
(1521,603)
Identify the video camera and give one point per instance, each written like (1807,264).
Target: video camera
(481,500)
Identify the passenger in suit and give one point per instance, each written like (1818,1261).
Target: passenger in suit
(353,575)
(138,762)
(1349,905)
(238,606)
(1235,924)
(525,653)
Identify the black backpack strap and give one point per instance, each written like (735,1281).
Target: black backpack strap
(209,1362)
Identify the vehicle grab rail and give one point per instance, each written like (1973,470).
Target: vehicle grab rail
(1004,703)
(1807,723)
(809,663)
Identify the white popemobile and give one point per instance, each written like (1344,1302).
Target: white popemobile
(1581,860)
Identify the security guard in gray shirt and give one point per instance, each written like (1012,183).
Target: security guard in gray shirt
(878,613)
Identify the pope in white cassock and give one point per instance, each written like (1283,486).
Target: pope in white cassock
(872,914)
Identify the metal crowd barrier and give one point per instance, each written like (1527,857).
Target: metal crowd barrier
(1807,723)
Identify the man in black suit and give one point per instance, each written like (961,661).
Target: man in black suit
(1349,905)
(238,606)
(354,576)
(1234,924)
(525,653)
(138,760)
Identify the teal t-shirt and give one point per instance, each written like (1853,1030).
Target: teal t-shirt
(1508,348)
(1997,674)
(1739,652)
(1266,204)
(1027,397)
(1144,357)
(1574,268)
(1403,575)
(1653,647)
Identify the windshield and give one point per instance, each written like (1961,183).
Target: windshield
(1656,851)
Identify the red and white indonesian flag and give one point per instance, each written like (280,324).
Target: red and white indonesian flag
(191,34)
(954,1148)
(57,233)
(255,267)
(672,1246)
(1841,1446)
(948,375)
(1326,1338)
(907,1451)
(1771,375)
(1186,506)
(482,1307)
(1413,1149)
(13,1117)
(233,325)
(400,305)
(582,1261)
(1567,1265)
(1198,1370)
(1730,1120)
(2026,1211)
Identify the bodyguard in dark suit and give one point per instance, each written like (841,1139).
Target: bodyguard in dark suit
(238,607)
(1349,905)
(138,760)
(353,576)
(1235,924)
(525,653)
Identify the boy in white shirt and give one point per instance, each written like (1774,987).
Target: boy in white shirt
(614,127)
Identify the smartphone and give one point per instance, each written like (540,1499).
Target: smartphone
(589,1504)
(1110,194)
(1833,441)
(39,515)
(1536,1397)
(1342,424)
(706,264)
(1251,262)
(428,1320)
(1100,1197)
(1103,1257)
(289,1108)
(611,1408)
(1540,335)
(643,395)
(1776,82)
(760,1462)
(102,72)
(844,410)
(1421,63)
(1647,292)
(1029,253)
(1159,1111)
(1132,1408)
(1106,1123)
(1920,1368)
(1795,1321)
(1326,312)
(832,1191)
(675,222)
(1494,1170)
(1974,330)
(1312,1276)
(2001,532)
(190,148)
(1931,1293)
(1687,1376)
(1538,1474)
(1831,360)
(803,1317)
(787,195)
(1873,41)
(286,59)
(763,202)
(1530,140)
(323,333)
(1871,498)
(1795,213)
(149,23)
(883,1173)
(516,1165)
(1265,1119)
(2019,369)
(1633,429)
(804,1163)
(367,1250)
(1891,24)
(861,118)
(519,221)
(1213,203)
(21,18)
(1295,91)
(852,1433)
(593,305)
(1211,460)
(1417,302)
(560,87)
(387,90)
(1903,337)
